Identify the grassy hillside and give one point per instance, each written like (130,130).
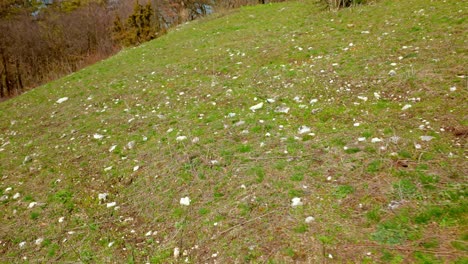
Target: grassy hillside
(360,113)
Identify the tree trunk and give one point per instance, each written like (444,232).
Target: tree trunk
(8,84)
(18,75)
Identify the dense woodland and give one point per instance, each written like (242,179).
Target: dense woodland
(41,40)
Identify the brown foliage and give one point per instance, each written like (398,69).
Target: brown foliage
(34,50)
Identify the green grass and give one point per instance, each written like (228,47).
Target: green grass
(242,168)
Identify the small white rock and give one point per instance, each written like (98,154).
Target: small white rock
(282,109)
(136,168)
(363,98)
(16,196)
(38,241)
(256,107)
(195,140)
(22,244)
(102,196)
(98,136)
(392,73)
(131,144)
(61,219)
(426,138)
(406,107)
(112,204)
(304,129)
(417,146)
(296,201)
(309,219)
(185,201)
(376,140)
(176,252)
(181,138)
(112,148)
(453,89)
(32,204)
(61,100)
(110,244)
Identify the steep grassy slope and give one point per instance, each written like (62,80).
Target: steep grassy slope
(382,170)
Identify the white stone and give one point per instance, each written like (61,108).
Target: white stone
(406,107)
(38,241)
(98,136)
(61,100)
(185,201)
(176,252)
(256,107)
(181,138)
(364,98)
(112,148)
(109,205)
(426,138)
(282,109)
(296,201)
(131,144)
(304,129)
(102,196)
(309,219)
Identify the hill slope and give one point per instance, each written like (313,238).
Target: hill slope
(360,113)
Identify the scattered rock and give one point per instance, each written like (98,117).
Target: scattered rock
(282,109)
(406,107)
(426,138)
(102,196)
(256,107)
(61,100)
(304,129)
(185,201)
(181,138)
(296,201)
